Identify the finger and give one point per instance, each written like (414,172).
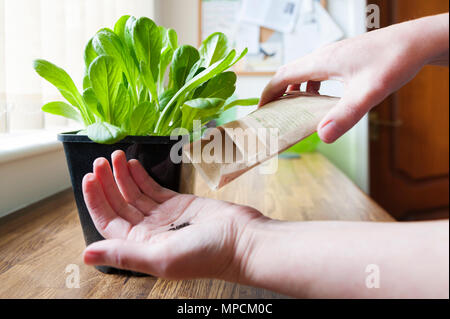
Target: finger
(313,87)
(127,185)
(147,185)
(123,254)
(102,171)
(300,71)
(349,110)
(107,222)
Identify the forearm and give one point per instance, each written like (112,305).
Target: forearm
(329,259)
(428,38)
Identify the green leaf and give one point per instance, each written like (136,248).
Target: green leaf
(128,36)
(204,104)
(63,82)
(63,109)
(105,133)
(165,97)
(166,57)
(209,73)
(183,60)
(86,81)
(169,44)
(122,106)
(221,86)
(149,81)
(147,43)
(119,27)
(199,109)
(142,119)
(169,38)
(144,95)
(239,57)
(82,132)
(214,48)
(227,106)
(197,68)
(199,79)
(89,54)
(58,77)
(92,103)
(242,102)
(106,42)
(105,75)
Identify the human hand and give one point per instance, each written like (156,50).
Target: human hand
(154,230)
(371,66)
(237,243)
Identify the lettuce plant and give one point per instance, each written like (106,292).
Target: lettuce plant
(139,81)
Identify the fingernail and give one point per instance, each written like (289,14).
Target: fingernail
(89,177)
(327,131)
(116,153)
(92,256)
(98,161)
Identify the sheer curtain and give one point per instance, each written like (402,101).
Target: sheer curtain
(55,30)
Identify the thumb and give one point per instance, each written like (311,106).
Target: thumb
(124,254)
(345,114)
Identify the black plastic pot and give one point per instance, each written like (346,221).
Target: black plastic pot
(153,152)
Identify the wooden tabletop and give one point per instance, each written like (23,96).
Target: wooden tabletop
(39,242)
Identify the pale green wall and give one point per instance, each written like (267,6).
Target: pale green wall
(350,154)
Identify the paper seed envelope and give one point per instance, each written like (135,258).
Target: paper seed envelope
(228,151)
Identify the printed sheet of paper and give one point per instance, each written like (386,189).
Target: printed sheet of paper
(223,16)
(220,16)
(279,15)
(272,128)
(248,38)
(314,30)
(306,11)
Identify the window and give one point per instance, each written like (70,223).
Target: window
(55,30)
(32,163)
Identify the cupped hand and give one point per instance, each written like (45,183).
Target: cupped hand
(371,67)
(154,230)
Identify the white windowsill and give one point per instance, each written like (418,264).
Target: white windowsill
(32,167)
(19,145)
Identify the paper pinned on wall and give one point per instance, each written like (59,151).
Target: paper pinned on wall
(311,34)
(248,38)
(307,11)
(220,16)
(278,15)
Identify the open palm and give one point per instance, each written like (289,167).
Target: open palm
(154,230)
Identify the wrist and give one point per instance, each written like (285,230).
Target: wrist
(428,37)
(260,255)
(246,223)
(273,254)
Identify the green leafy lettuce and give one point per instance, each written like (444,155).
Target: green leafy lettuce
(139,81)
